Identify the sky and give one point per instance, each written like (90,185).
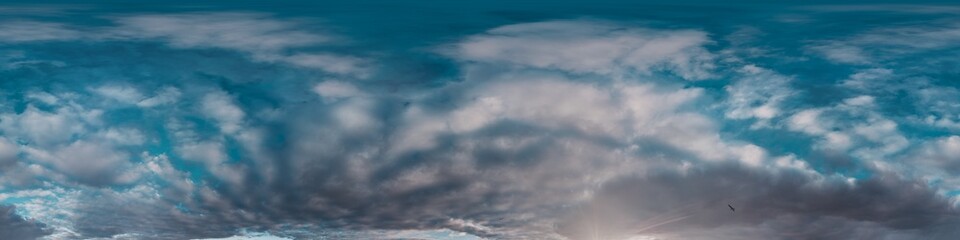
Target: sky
(615,120)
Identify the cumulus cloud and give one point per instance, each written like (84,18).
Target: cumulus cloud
(91,163)
(62,140)
(43,127)
(853,126)
(936,161)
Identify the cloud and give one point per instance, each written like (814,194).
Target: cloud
(32,31)
(882,44)
(333,90)
(123,94)
(220,107)
(522,140)
(163,96)
(15,227)
(344,65)
(937,155)
(851,125)
(592,47)
(841,53)
(261,36)
(759,94)
(62,139)
(247,32)
(525,140)
(90,163)
(772,203)
(8,152)
(42,127)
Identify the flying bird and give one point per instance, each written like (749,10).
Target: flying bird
(731,208)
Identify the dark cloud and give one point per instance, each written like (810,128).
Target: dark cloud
(13,226)
(775,204)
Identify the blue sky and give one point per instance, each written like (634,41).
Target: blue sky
(485,120)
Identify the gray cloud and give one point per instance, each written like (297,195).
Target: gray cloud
(13,226)
(770,204)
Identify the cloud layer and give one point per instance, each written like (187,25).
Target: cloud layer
(216,124)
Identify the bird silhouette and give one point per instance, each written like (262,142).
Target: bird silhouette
(731,208)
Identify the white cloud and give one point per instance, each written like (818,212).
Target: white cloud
(942,154)
(263,37)
(42,127)
(161,167)
(752,155)
(356,115)
(345,65)
(883,132)
(807,121)
(163,96)
(220,106)
(549,102)
(43,97)
(247,32)
(31,31)
(623,112)
(209,152)
(842,53)
(123,136)
(123,94)
(88,162)
(333,90)
(869,79)
(759,94)
(592,47)
(860,101)
(935,160)
(851,125)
